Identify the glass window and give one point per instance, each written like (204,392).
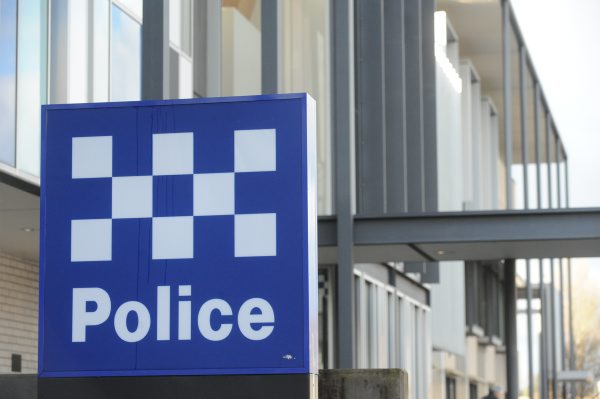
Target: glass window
(125,57)
(136,7)
(450,388)
(78,52)
(30,92)
(100,33)
(306,67)
(180,75)
(241,48)
(8,55)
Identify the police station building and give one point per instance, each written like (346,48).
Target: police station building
(444,225)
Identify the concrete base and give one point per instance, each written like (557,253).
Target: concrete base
(332,384)
(18,386)
(289,386)
(361,384)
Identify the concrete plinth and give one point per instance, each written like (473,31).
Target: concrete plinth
(363,384)
(18,386)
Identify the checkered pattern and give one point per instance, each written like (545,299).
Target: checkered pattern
(213,194)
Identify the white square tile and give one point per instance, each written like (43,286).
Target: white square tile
(91,240)
(255,150)
(132,197)
(256,235)
(172,154)
(173,237)
(214,194)
(91,157)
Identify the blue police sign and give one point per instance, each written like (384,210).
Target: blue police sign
(179,238)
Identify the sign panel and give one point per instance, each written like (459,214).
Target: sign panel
(179,238)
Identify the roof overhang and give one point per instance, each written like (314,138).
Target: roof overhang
(576,376)
(484,235)
(19,214)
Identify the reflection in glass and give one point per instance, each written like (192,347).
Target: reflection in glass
(29,86)
(125,57)
(8,53)
(78,67)
(100,50)
(134,6)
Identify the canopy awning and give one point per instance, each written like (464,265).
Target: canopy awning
(483,235)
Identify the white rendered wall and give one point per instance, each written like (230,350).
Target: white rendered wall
(241,74)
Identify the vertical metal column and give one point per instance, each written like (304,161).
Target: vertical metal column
(563,345)
(570,283)
(510,316)
(549,156)
(553,331)
(207,47)
(270,37)
(155,50)
(538,144)
(395,99)
(371,108)
(343,128)
(543,338)
(415,158)
(429,107)
(571,334)
(525,163)
(557,151)
(524,132)
(506,86)
(529,331)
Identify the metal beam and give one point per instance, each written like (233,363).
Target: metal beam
(343,128)
(472,235)
(155,50)
(465,227)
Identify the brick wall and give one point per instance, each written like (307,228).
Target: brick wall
(18,313)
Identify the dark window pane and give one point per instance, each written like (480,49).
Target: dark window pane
(15,363)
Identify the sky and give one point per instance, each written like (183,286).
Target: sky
(562,37)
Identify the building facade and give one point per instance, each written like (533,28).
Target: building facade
(423,107)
